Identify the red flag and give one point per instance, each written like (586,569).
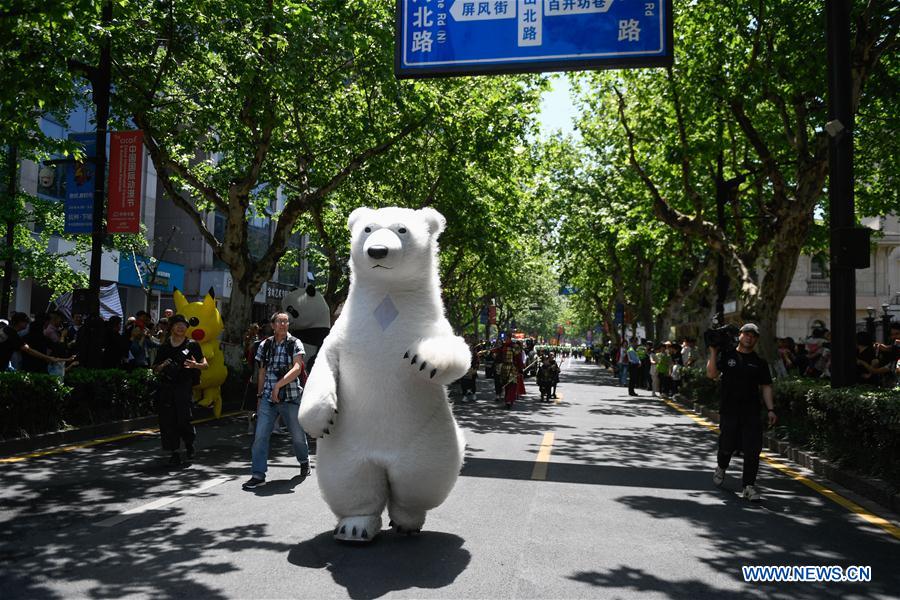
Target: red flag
(126,151)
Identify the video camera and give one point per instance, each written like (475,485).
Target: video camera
(721,337)
(174,366)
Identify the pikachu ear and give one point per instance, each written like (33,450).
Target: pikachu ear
(209,301)
(180,301)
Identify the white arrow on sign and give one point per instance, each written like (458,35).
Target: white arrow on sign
(481,10)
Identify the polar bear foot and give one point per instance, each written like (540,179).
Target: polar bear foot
(401,530)
(358,529)
(405,521)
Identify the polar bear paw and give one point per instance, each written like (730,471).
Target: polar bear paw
(406,521)
(317,418)
(358,529)
(437,360)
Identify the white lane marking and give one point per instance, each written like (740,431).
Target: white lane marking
(161,502)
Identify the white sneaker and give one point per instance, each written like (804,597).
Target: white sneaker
(719,476)
(751,494)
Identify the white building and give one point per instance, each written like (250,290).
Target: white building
(807,302)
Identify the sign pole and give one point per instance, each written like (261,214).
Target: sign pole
(100,85)
(11,186)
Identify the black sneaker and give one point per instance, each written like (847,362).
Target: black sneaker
(253,483)
(304,469)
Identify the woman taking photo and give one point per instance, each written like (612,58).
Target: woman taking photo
(178,364)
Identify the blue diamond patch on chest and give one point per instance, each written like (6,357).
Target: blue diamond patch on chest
(385,313)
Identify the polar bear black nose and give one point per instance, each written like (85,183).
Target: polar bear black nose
(377,251)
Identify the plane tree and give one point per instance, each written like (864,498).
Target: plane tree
(741,114)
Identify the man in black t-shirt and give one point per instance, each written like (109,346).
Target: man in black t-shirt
(744,375)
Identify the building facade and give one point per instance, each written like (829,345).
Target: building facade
(877,288)
(177,255)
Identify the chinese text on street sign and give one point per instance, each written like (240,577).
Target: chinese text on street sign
(462,37)
(123,213)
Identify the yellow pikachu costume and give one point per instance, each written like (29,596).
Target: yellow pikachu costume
(205,326)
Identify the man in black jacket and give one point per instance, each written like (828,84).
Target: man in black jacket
(744,375)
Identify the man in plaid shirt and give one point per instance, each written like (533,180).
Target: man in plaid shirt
(281,362)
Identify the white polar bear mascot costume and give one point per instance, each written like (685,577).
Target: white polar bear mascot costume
(377,393)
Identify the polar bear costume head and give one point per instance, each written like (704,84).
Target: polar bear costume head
(395,247)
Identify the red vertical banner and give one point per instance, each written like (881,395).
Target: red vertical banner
(126,152)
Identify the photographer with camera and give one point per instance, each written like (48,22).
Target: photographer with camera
(280,360)
(178,364)
(744,374)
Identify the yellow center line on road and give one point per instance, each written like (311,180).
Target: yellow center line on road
(115,438)
(543,457)
(850,505)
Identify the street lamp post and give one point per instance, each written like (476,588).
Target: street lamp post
(885,324)
(870,322)
(840,192)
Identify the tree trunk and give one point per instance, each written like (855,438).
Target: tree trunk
(764,306)
(239,311)
(646,308)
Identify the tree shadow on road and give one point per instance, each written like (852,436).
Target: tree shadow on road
(789,528)
(638,580)
(391,563)
(150,556)
(529,416)
(656,444)
(52,537)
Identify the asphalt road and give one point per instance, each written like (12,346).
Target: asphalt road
(598,496)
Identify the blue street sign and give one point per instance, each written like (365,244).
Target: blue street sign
(79,209)
(168,275)
(464,37)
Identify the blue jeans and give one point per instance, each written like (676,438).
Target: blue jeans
(265,421)
(623,373)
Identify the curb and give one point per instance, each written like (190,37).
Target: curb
(73,436)
(84,434)
(871,488)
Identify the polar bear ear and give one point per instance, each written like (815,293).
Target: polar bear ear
(356,215)
(435,220)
